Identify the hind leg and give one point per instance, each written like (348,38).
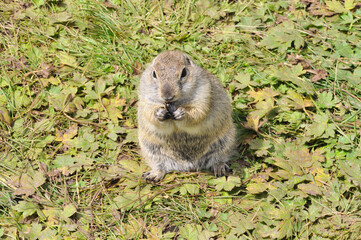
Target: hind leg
(219,154)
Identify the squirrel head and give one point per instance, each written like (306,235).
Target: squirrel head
(170,77)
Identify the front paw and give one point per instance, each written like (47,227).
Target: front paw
(162,114)
(153,176)
(179,113)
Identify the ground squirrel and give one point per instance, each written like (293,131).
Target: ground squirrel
(184,118)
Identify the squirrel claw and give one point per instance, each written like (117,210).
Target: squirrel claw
(179,113)
(221,170)
(153,176)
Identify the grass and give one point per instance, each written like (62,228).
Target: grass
(70,166)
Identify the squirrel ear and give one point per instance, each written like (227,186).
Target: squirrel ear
(189,60)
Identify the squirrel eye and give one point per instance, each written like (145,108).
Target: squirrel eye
(184,73)
(154,75)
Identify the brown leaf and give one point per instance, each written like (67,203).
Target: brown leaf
(295,59)
(319,74)
(20,64)
(109,5)
(46,70)
(281,18)
(137,68)
(317,8)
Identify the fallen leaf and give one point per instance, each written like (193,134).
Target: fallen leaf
(309,188)
(252,122)
(297,101)
(263,94)
(46,70)
(67,59)
(256,188)
(66,135)
(137,68)
(335,6)
(319,74)
(317,8)
(68,211)
(26,185)
(26,208)
(5,116)
(295,59)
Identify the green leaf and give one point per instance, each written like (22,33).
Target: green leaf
(282,37)
(321,127)
(64,163)
(261,145)
(325,100)
(48,233)
(292,74)
(297,101)
(189,188)
(126,201)
(240,223)
(264,94)
(68,211)
(34,232)
(61,17)
(21,99)
(344,49)
(228,183)
(352,169)
(38,2)
(190,232)
(26,208)
(244,80)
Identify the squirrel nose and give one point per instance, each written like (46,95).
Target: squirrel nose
(168,98)
(167,93)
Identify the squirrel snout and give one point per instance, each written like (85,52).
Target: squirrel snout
(167,93)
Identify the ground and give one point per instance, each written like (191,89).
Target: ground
(70,166)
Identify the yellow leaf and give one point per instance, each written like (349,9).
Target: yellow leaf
(112,105)
(252,122)
(321,177)
(262,94)
(255,188)
(67,135)
(67,59)
(350,4)
(297,100)
(335,6)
